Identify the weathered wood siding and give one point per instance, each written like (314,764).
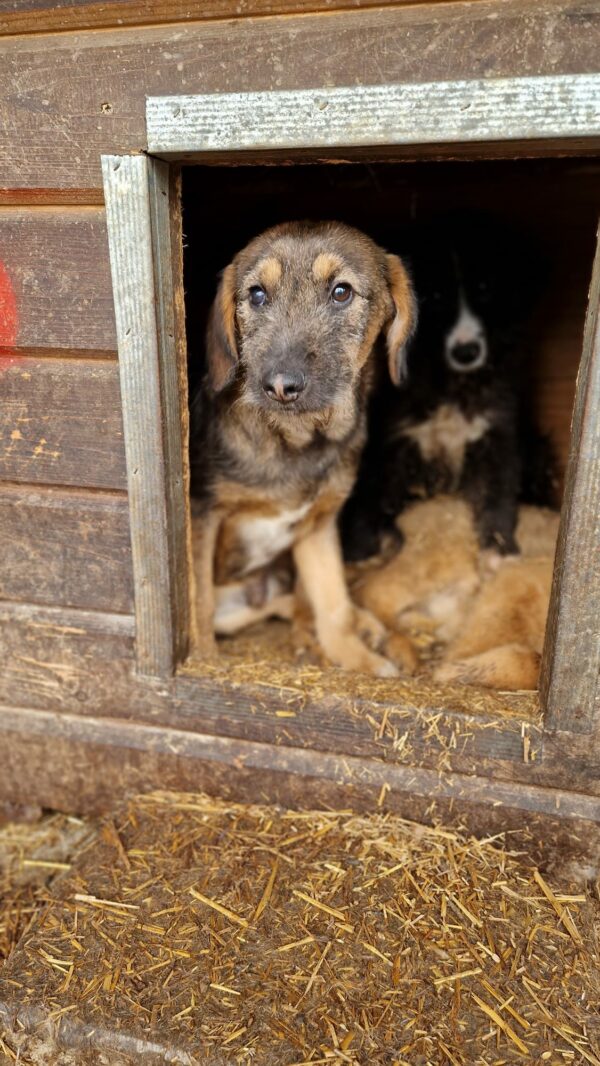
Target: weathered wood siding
(75,80)
(60,422)
(74,94)
(78,95)
(69,548)
(38,16)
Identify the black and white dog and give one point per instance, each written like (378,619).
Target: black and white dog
(461,421)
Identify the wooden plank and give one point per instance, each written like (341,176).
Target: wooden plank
(86,764)
(167,250)
(570,682)
(47,622)
(138,224)
(82,662)
(441,112)
(57,263)
(41,16)
(61,423)
(71,662)
(33,197)
(84,94)
(64,548)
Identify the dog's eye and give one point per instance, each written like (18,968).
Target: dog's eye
(342,293)
(258,296)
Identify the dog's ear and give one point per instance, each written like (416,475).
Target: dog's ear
(403,322)
(221,346)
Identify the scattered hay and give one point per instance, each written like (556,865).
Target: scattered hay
(203,932)
(265,655)
(31,854)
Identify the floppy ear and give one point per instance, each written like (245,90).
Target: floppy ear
(404,321)
(221,347)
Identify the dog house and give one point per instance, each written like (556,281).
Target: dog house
(100,691)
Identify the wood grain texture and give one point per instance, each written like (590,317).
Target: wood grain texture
(369,773)
(440,112)
(79,95)
(65,548)
(60,422)
(88,765)
(138,215)
(570,682)
(167,250)
(81,663)
(41,16)
(58,265)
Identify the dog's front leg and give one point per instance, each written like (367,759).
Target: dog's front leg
(318,558)
(206,530)
(490,482)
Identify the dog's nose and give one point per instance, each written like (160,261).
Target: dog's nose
(284,387)
(465,355)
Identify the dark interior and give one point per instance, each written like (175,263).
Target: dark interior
(553,202)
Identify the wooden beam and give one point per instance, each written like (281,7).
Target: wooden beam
(77,662)
(86,92)
(167,245)
(42,16)
(371,116)
(139,205)
(570,682)
(88,764)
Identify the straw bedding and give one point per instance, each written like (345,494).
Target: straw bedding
(196,931)
(31,854)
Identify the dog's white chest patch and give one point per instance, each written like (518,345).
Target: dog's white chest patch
(446,434)
(265,538)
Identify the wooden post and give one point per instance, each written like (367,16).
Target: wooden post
(570,682)
(141,199)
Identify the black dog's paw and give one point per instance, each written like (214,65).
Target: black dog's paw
(503,543)
(361,535)
(360,542)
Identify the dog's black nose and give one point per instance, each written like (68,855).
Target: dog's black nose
(284,387)
(466,354)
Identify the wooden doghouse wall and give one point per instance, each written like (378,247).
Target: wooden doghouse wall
(75,79)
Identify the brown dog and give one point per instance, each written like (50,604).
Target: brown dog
(491,621)
(279,423)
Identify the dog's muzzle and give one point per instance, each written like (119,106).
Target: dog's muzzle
(284,387)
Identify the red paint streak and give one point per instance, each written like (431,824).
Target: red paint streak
(9,320)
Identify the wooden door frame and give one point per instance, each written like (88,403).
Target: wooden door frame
(514,117)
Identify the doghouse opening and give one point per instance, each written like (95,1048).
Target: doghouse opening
(551,203)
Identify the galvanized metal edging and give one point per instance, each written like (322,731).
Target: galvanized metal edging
(478,110)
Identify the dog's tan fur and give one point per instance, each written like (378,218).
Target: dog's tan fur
(285,473)
(492,618)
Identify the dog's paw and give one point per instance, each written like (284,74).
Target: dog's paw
(385,668)
(459,673)
(401,651)
(491,561)
(369,628)
(369,662)
(513,667)
(205,646)
(349,652)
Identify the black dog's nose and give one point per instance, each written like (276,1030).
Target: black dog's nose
(466,354)
(284,387)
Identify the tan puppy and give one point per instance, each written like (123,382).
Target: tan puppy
(300,319)
(491,619)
